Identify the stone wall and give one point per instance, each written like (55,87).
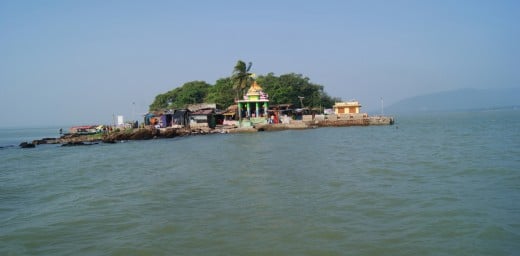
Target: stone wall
(381,120)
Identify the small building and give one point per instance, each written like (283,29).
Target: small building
(149,119)
(230,115)
(348,107)
(168,118)
(181,118)
(165,120)
(203,118)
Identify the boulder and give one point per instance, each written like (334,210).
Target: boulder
(27,145)
(78,143)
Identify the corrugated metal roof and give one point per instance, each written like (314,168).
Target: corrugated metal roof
(203,112)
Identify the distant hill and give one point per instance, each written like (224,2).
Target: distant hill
(463,99)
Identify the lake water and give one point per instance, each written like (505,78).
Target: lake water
(438,184)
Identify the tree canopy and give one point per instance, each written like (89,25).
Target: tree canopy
(288,88)
(284,89)
(222,93)
(189,93)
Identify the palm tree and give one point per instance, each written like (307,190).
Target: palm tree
(241,77)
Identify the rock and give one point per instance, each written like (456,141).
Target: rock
(143,134)
(39,142)
(168,133)
(27,145)
(45,141)
(77,143)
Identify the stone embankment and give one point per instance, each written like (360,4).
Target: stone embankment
(330,121)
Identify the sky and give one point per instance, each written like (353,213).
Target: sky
(83,62)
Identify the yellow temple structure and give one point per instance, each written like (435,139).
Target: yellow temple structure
(252,109)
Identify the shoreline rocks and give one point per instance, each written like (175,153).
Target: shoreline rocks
(149,133)
(27,145)
(78,143)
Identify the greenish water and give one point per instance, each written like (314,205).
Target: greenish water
(429,185)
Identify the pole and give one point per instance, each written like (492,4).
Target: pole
(133,111)
(382,107)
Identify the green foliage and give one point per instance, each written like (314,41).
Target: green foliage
(284,89)
(287,88)
(161,101)
(221,93)
(241,77)
(189,93)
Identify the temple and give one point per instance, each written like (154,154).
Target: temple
(253,108)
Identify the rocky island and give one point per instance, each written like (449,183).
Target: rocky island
(152,132)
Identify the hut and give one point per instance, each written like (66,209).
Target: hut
(181,118)
(203,118)
(149,118)
(230,115)
(165,120)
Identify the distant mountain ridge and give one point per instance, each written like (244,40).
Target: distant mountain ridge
(462,99)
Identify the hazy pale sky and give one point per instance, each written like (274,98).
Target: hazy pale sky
(81,62)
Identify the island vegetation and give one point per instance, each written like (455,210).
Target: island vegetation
(289,88)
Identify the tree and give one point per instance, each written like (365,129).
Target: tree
(283,89)
(189,93)
(241,77)
(279,91)
(221,93)
(161,101)
(287,88)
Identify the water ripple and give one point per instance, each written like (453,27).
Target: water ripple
(425,188)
